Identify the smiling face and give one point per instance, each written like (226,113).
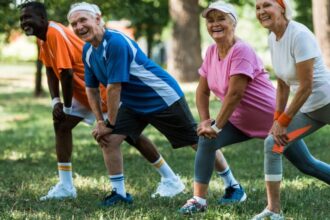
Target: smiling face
(32,23)
(269,13)
(85,25)
(220,26)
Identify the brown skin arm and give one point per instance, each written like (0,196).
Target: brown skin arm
(54,90)
(67,86)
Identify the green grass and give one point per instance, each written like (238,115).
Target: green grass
(28,169)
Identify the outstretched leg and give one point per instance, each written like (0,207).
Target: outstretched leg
(297,152)
(170,184)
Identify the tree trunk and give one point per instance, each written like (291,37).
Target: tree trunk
(185,49)
(38,91)
(321,21)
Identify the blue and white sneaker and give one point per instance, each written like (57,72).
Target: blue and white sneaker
(115,198)
(233,195)
(191,207)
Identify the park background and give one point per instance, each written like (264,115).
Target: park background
(174,35)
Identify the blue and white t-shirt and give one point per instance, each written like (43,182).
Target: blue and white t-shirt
(146,87)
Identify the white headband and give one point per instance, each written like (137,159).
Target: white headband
(84,6)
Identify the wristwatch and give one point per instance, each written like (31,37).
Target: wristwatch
(215,128)
(108,124)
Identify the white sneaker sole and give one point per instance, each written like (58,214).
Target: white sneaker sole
(45,198)
(178,191)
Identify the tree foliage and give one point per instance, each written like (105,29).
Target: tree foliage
(304,13)
(147,17)
(8,15)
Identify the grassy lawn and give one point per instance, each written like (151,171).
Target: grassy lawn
(28,168)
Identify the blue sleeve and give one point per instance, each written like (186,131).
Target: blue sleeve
(90,79)
(119,57)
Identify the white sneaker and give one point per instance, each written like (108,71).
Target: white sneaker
(169,187)
(59,191)
(267,214)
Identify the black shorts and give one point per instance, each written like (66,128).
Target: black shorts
(176,123)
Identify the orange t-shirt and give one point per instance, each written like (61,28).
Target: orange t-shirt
(63,50)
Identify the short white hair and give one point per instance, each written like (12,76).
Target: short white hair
(91,9)
(288,9)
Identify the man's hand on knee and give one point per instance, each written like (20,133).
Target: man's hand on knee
(100,131)
(58,114)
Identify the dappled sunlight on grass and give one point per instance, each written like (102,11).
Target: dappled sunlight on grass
(14,155)
(29,168)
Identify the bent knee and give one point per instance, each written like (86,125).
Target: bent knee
(62,126)
(269,144)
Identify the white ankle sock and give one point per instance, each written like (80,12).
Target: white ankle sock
(65,174)
(228,178)
(164,169)
(118,184)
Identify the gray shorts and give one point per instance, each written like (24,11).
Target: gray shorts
(176,123)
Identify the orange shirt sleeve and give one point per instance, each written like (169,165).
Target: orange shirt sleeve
(59,45)
(43,56)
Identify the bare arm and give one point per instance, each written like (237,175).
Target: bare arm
(53,83)
(236,90)
(202,99)
(304,72)
(282,95)
(67,86)
(53,86)
(100,130)
(113,100)
(94,100)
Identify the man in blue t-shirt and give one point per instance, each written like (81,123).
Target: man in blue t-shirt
(139,93)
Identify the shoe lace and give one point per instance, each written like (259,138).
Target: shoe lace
(112,194)
(191,202)
(164,184)
(229,192)
(53,189)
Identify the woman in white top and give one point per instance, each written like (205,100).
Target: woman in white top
(299,68)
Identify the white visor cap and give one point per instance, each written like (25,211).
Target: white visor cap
(221,6)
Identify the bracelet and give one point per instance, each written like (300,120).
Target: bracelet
(215,128)
(108,124)
(284,120)
(55,100)
(67,110)
(277,114)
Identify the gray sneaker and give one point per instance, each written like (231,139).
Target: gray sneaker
(267,214)
(191,207)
